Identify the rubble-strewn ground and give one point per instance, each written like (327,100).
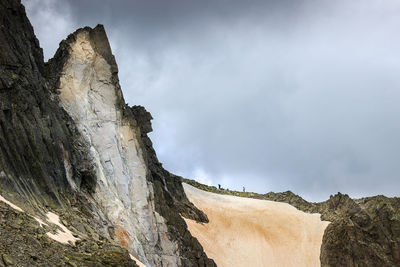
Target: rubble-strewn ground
(24,242)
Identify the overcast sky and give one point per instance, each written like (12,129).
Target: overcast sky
(271,95)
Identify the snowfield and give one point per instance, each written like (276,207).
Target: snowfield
(252,232)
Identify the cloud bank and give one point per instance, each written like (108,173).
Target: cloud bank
(270,95)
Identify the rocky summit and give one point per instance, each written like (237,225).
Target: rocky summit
(81,185)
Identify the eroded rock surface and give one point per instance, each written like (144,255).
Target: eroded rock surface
(89,93)
(134,192)
(69,145)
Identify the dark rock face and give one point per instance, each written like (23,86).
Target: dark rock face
(158,173)
(364,232)
(170,199)
(36,137)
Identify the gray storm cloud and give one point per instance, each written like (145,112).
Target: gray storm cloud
(271,95)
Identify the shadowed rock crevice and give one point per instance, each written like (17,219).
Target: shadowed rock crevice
(172,182)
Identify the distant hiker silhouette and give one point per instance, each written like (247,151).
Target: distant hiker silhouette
(244,189)
(219,186)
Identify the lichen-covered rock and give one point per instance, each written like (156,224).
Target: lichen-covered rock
(24,243)
(8,260)
(364,232)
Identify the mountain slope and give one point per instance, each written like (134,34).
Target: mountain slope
(251,232)
(81,185)
(83,155)
(362,232)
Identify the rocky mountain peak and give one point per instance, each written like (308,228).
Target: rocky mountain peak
(81,184)
(70,145)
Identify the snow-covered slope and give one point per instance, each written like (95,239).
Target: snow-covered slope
(251,232)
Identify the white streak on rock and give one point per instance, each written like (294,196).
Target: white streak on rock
(10,204)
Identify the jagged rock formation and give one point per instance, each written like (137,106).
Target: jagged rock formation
(364,232)
(133,190)
(69,144)
(88,90)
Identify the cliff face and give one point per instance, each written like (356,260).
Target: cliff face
(364,232)
(69,144)
(86,82)
(36,135)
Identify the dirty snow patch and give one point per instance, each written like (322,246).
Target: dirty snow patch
(65,236)
(251,232)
